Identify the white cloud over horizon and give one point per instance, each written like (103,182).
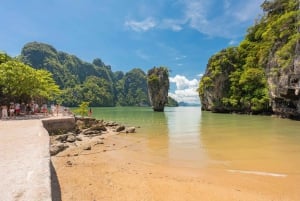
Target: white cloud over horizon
(186,90)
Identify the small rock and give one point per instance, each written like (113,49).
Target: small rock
(62,138)
(130,130)
(99,127)
(78,138)
(69,163)
(111,123)
(56,148)
(92,132)
(71,138)
(87,147)
(99,142)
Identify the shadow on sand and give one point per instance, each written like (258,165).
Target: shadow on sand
(55,187)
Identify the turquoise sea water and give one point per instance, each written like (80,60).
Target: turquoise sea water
(189,137)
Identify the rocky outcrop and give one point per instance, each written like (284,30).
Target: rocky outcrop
(262,74)
(158,87)
(285,87)
(215,86)
(87,132)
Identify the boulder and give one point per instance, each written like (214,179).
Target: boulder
(120,128)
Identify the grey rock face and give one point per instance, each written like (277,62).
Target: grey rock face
(158,87)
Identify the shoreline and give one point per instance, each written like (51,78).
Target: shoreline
(121,169)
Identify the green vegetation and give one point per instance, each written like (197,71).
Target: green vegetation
(172,102)
(83,109)
(93,82)
(20,82)
(236,77)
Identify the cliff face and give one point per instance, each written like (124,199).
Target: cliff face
(262,74)
(158,87)
(215,83)
(285,87)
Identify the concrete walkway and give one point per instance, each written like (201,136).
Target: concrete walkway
(24,161)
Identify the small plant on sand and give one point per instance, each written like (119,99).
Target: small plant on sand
(83,109)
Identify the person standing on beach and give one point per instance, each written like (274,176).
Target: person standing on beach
(90,112)
(4,112)
(11,110)
(57,109)
(17,109)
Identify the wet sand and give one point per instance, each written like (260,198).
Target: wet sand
(122,170)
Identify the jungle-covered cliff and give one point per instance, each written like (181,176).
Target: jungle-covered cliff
(83,81)
(262,74)
(94,82)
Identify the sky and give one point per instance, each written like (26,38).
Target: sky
(179,34)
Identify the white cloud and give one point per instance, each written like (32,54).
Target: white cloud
(214,18)
(175,25)
(186,90)
(141,26)
(247,11)
(200,15)
(200,75)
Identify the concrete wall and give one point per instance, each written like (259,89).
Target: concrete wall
(59,126)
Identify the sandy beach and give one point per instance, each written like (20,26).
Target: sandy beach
(120,169)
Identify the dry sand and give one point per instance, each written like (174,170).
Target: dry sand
(121,170)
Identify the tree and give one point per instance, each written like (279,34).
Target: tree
(21,82)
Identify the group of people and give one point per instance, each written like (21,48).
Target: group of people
(21,109)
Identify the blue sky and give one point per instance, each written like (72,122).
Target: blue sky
(178,34)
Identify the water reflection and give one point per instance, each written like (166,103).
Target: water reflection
(184,145)
(187,137)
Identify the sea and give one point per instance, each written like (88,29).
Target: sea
(189,137)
